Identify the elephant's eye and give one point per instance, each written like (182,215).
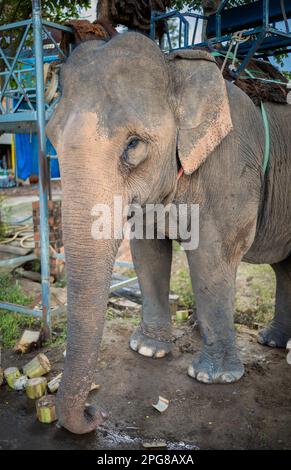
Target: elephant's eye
(135,152)
(133,143)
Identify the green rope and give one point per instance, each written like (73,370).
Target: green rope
(266,158)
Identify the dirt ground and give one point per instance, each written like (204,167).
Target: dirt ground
(254,413)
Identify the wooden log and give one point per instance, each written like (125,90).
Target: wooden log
(36,387)
(38,366)
(11,374)
(46,409)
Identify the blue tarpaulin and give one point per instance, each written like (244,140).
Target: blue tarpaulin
(26,150)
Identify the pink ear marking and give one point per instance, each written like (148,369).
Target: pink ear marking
(180,173)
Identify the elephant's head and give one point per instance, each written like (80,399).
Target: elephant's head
(126,113)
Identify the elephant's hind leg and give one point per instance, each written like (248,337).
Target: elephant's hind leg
(277,333)
(152,260)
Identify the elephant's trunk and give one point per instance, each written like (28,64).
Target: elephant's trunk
(89,265)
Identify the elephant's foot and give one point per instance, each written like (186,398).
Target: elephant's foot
(216,367)
(150,346)
(275,335)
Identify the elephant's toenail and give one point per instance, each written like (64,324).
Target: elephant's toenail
(203,377)
(133,344)
(145,351)
(227,378)
(160,354)
(272,343)
(191,371)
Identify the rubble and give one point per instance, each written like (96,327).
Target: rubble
(162,404)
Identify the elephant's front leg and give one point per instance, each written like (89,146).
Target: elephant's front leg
(214,285)
(152,260)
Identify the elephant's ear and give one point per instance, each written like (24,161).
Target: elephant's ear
(201,106)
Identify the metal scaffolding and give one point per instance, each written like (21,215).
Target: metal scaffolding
(23,108)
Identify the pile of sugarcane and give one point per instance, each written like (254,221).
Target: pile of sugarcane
(35,385)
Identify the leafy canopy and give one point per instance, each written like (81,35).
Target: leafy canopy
(53,10)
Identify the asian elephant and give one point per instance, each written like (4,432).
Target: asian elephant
(129,119)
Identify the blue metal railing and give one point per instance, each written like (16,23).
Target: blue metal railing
(16,91)
(265,39)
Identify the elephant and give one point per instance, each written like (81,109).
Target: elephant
(130,119)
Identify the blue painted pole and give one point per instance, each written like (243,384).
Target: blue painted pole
(43,175)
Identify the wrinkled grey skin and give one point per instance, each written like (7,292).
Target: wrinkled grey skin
(127,88)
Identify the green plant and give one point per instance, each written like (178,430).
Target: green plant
(12,324)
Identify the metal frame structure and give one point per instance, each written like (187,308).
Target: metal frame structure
(23,109)
(262,38)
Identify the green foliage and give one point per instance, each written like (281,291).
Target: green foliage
(54,10)
(12,324)
(181,286)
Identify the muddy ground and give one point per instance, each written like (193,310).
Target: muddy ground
(254,413)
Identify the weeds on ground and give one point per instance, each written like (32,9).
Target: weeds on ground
(12,324)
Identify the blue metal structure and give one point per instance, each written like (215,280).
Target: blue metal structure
(23,109)
(256,22)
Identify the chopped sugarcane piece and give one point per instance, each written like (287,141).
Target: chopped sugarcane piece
(11,374)
(182,315)
(94,387)
(173,302)
(54,384)
(154,444)
(162,404)
(1,376)
(36,387)
(20,383)
(46,409)
(29,340)
(38,366)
